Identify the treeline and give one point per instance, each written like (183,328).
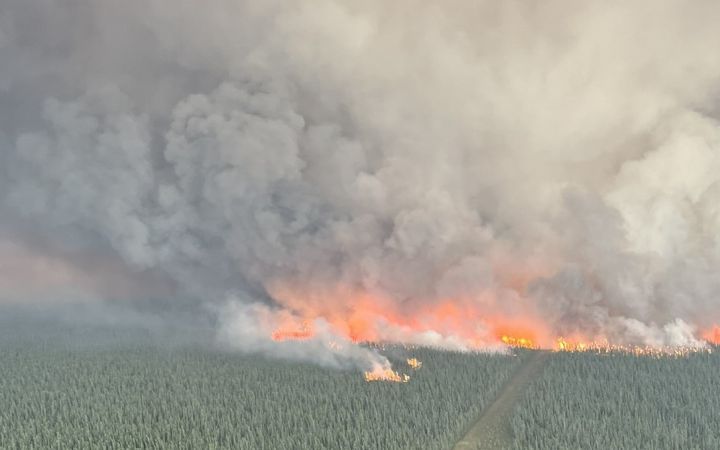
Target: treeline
(148,396)
(620,401)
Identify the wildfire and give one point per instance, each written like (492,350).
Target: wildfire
(414,363)
(712,336)
(376,319)
(363,317)
(386,375)
(564,345)
(604,346)
(518,342)
(301,333)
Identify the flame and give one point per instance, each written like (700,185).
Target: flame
(463,323)
(518,342)
(414,363)
(293,333)
(572,345)
(604,346)
(457,323)
(386,375)
(712,336)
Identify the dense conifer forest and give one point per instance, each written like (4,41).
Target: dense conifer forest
(90,387)
(620,401)
(88,390)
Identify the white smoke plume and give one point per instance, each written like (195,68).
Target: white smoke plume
(250,326)
(557,160)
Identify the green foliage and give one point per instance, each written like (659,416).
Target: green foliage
(619,401)
(62,394)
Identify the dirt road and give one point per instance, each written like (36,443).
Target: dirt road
(492,430)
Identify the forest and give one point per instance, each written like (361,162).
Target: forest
(88,387)
(594,400)
(84,389)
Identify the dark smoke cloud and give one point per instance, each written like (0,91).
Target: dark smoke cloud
(241,149)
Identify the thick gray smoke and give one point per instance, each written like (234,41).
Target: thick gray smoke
(557,160)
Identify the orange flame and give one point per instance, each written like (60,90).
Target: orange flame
(414,363)
(386,375)
(360,316)
(478,322)
(712,336)
(603,346)
(291,333)
(518,342)
(564,345)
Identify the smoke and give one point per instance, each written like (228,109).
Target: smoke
(250,326)
(422,172)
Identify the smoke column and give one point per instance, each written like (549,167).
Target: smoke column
(436,173)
